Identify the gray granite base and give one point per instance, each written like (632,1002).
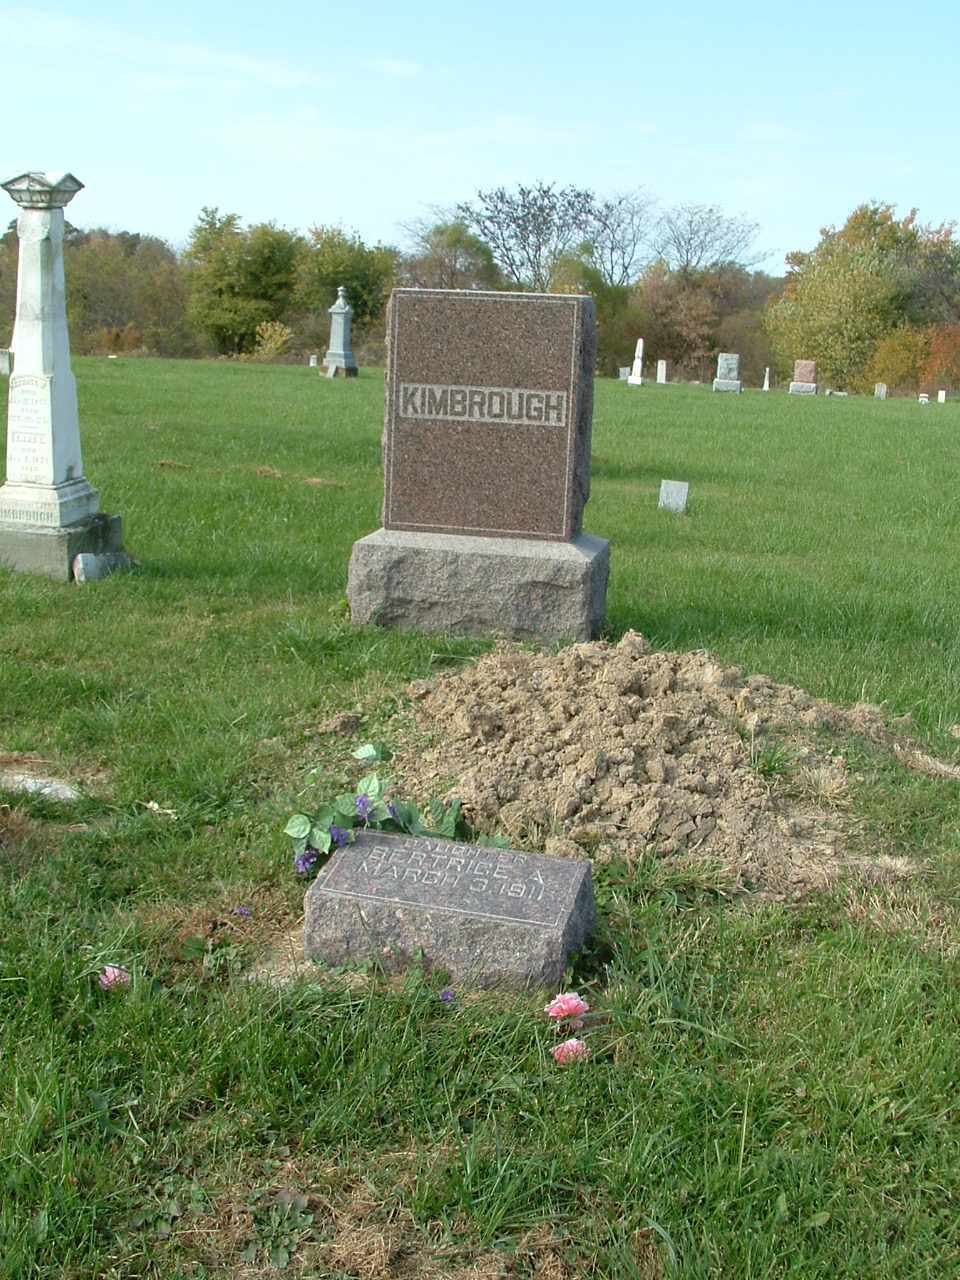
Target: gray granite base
(51,552)
(727,384)
(525,588)
(485,916)
(803,389)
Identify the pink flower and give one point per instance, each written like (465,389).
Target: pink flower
(573,1050)
(113,976)
(567,1005)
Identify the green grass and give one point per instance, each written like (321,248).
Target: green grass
(771,1092)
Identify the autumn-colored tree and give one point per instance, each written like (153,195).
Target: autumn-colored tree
(941,360)
(855,302)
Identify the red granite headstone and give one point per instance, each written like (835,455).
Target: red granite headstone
(489,399)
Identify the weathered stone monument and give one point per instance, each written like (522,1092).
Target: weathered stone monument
(49,512)
(880,391)
(673,496)
(636,375)
(486,455)
(486,916)
(661,372)
(338,361)
(804,378)
(728,373)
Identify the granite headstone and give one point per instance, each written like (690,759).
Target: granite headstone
(486,452)
(728,373)
(486,916)
(804,378)
(880,391)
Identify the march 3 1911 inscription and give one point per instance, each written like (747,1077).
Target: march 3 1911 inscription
(488,409)
(490,915)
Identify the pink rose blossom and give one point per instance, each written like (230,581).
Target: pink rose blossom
(114,976)
(567,1005)
(573,1050)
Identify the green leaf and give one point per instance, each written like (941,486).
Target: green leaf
(320,839)
(345,807)
(370,786)
(818,1220)
(375,751)
(298,826)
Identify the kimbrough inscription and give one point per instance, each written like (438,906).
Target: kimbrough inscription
(490,915)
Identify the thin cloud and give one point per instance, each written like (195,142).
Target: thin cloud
(23,31)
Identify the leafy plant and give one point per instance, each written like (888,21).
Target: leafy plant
(280,1228)
(332,825)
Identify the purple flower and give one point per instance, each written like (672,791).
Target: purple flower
(392,810)
(241,911)
(306,860)
(364,807)
(446,996)
(339,836)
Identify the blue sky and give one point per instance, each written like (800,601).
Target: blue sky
(365,114)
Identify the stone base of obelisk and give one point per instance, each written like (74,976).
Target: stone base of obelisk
(525,588)
(51,552)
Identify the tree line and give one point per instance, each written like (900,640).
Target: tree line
(878,300)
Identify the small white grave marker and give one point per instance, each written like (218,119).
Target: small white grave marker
(673,495)
(880,391)
(314,360)
(924,398)
(635,376)
(661,371)
(941,397)
(766,379)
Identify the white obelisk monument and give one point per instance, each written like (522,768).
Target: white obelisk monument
(49,512)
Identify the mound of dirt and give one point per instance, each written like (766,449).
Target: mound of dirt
(618,749)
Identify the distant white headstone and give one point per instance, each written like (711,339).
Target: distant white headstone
(661,371)
(880,391)
(941,397)
(314,359)
(924,398)
(635,377)
(624,371)
(4,362)
(673,495)
(766,380)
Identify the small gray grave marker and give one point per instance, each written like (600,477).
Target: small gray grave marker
(661,371)
(728,373)
(4,362)
(485,915)
(880,391)
(673,495)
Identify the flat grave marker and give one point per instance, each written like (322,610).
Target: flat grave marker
(484,915)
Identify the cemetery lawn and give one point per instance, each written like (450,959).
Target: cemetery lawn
(772,1089)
